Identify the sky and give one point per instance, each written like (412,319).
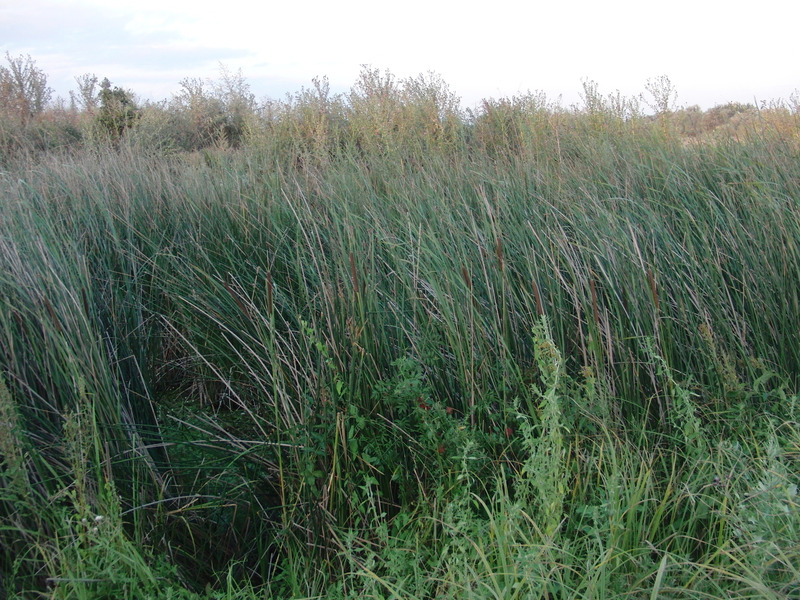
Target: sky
(712,51)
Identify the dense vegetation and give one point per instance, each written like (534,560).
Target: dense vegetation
(370,345)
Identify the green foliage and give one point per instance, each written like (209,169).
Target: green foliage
(362,345)
(544,474)
(24,93)
(118,111)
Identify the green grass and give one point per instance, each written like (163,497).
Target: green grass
(540,354)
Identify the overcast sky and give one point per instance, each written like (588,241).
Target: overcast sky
(713,51)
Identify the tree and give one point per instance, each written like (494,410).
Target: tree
(663,95)
(238,101)
(87,98)
(23,88)
(118,110)
(198,115)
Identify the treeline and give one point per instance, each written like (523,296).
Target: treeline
(379,113)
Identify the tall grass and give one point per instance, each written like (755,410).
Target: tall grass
(537,354)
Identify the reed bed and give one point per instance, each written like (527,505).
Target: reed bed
(540,356)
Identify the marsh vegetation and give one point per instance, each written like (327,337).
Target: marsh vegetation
(374,346)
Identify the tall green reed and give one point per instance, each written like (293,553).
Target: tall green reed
(288,342)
